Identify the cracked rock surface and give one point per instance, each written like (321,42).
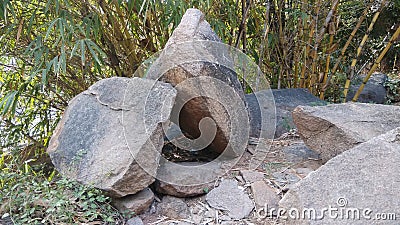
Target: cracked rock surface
(363,178)
(112,131)
(326,131)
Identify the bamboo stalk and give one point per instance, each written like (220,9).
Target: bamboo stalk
(297,50)
(328,58)
(343,51)
(359,50)
(377,62)
(302,45)
(327,20)
(313,77)
(306,51)
(278,10)
(266,31)
(245,12)
(332,31)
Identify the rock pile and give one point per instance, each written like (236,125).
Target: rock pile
(111,136)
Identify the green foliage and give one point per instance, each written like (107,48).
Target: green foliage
(30,197)
(393,91)
(286,123)
(335,91)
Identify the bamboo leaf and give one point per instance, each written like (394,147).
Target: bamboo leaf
(47,6)
(63,60)
(96,47)
(94,55)
(55,65)
(50,27)
(7,101)
(83,49)
(61,28)
(142,7)
(44,77)
(130,5)
(74,49)
(33,16)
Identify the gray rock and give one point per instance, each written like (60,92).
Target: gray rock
(259,105)
(6,220)
(264,195)
(174,208)
(231,223)
(102,129)
(374,91)
(286,178)
(365,177)
(136,203)
(202,97)
(225,218)
(197,218)
(298,152)
(173,180)
(251,176)
(286,100)
(182,191)
(228,197)
(333,129)
(210,213)
(134,221)
(304,171)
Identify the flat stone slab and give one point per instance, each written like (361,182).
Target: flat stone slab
(264,195)
(299,152)
(174,179)
(332,129)
(251,176)
(110,136)
(136,203)
(228,197)
(359,183)
(174,208)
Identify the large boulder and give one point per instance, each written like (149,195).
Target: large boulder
(332,129)
(359,186)
(185,58)
(110,136)
(374,91)
(286,100)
